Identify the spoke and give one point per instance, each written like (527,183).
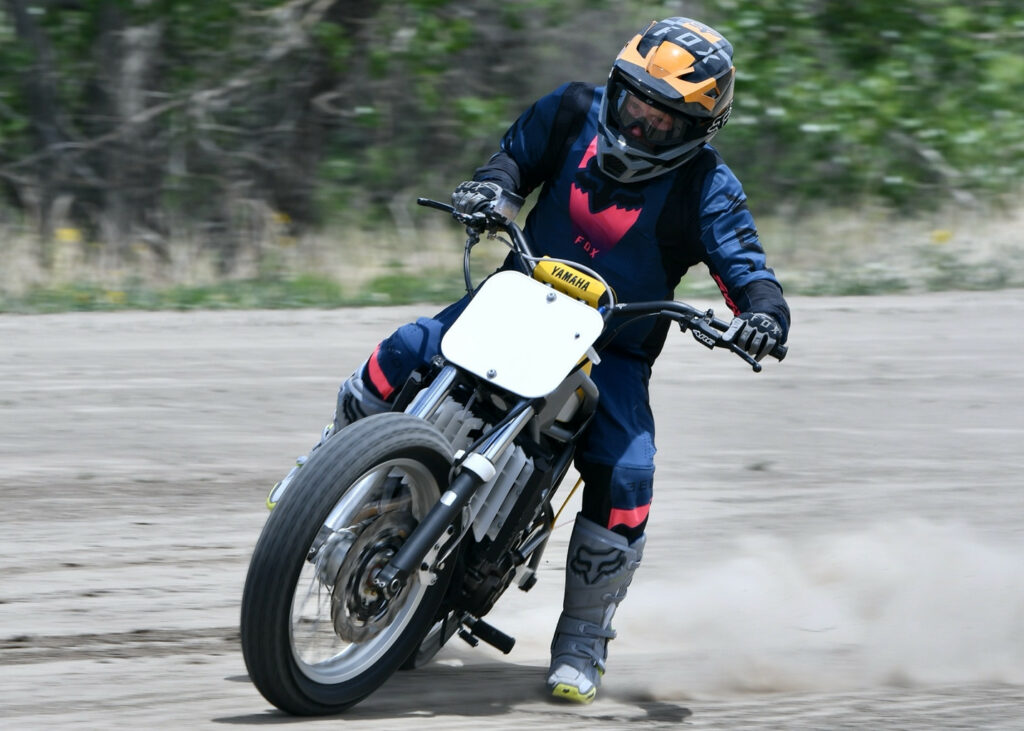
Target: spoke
(356,496)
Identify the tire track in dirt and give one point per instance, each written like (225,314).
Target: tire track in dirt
(137,643)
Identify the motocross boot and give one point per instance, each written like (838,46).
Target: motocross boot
(354,402)
(599,567)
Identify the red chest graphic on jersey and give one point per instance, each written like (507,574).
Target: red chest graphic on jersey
(600,220)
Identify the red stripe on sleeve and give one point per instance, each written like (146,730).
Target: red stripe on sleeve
(725,294)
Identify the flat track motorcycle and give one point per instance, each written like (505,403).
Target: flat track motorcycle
(405,528)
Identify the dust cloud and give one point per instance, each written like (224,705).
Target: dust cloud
(905,603)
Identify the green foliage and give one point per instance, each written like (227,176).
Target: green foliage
(909,102)
(312,108)
(302,291)
(405,288)
(335,44)
(263,293)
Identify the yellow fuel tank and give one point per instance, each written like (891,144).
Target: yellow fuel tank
(572,282)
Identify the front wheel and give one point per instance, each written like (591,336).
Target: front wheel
(317,636)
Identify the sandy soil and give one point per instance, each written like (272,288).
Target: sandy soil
(836,542)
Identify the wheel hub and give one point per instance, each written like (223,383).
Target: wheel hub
(359,609)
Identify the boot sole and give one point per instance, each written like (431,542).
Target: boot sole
(571,693)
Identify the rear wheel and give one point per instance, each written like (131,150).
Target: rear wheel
(317,636)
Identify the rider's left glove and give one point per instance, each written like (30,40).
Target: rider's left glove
(473,196)
(755,332)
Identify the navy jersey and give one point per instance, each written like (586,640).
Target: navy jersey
(643,236)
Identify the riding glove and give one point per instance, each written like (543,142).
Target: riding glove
(473,195)
(755,332)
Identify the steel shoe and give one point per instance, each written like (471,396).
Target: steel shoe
(278,490)
(599,569)
(354,403)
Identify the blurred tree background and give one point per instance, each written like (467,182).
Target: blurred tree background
(138,123)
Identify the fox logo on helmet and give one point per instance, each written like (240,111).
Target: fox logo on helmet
(592,565)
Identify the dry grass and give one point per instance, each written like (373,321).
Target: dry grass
(840,253)
(824,253)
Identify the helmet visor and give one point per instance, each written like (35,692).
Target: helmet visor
(642,120)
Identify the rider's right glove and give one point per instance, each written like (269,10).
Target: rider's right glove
(473,196)
(755,332)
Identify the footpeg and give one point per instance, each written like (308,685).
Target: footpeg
(469,637)
(480,630)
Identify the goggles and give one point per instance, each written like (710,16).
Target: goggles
(641,119)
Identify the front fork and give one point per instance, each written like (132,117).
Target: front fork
(476,469)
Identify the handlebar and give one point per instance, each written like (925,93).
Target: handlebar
(707,329)
(487,220)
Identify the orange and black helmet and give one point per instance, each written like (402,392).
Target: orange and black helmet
(669,91)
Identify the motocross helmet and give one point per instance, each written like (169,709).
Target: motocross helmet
(669,91)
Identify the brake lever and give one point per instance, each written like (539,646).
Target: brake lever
(702,331)
(708,336)
(476,220)
(745,356)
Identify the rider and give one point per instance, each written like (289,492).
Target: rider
(629,187)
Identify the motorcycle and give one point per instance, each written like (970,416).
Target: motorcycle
(404,529)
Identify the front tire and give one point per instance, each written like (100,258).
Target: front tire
(316,635)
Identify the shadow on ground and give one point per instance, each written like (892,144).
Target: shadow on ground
(476,690)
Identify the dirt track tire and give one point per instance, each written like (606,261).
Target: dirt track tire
(389,449)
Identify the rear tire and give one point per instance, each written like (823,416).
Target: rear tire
(316,636)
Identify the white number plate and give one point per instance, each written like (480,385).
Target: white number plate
(521,335)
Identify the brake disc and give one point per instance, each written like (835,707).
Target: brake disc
(358,609)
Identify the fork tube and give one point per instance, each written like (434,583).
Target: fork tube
(428,400)
(393,577)
(429,533)
(498,442)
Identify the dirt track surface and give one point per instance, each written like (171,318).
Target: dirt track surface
(835,543)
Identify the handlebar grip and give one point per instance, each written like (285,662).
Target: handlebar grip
(778,352)
(427,202)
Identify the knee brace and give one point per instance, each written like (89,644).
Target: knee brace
(617,497)
(398,355)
